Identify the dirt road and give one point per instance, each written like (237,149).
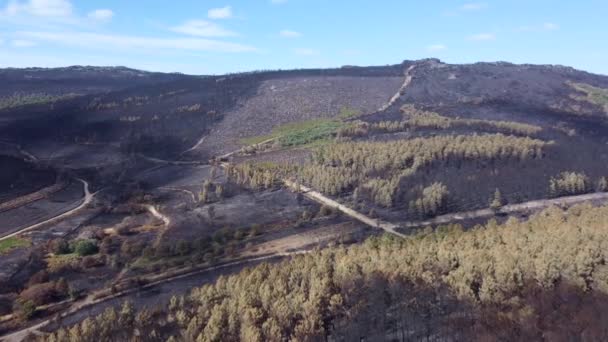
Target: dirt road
(88,197)
(188,192)
(406,83)
(508,209)
(32,197)
(152,210)
(172,162)
(90,301)
(324,200)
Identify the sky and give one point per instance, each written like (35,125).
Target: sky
(223,36)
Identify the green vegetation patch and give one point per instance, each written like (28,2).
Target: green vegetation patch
(595,95)
(348,113)
(12,243)
(299,133)
(18,100)
(307,132)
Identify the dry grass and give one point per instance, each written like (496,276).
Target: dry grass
(57,262)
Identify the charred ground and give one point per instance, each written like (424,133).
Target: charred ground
(186,172)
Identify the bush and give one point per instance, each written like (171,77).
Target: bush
(25,309)
(90,262)
(38,278)
(40,294)
(85,247)
(60,246)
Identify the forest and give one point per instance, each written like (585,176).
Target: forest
(377,169)
(544,278)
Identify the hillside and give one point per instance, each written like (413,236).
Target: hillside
(118,184)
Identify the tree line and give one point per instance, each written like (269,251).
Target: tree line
(416,119)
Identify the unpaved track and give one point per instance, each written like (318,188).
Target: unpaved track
(88,197)
(230,154)
(406,83)
(508,209)
(89,301)
(198,143)
(32,197)
(188,192)
(152,210)
(171,162)
(316,196)
(324,200)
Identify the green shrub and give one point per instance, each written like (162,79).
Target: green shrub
(25,309)
(85,247)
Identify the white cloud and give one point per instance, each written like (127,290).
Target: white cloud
(1,41)
(306,52)
(20,43)
(39,8)
(278,2)
(289,34)
(101,15)
(220,13)
(202,28)
(474,6)
(467,7)
(550,26)
(125,42)
(482,37)
(436,47)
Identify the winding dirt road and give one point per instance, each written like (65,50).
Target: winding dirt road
(88,197)
(152,210)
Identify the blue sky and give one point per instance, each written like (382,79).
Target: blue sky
(219,36)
